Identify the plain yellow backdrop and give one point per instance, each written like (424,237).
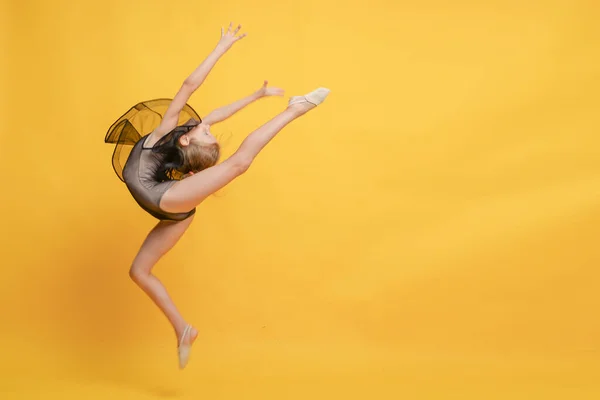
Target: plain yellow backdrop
(430,232)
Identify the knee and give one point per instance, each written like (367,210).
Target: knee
(243,167)
(241,163)
(244,164)
(137,274)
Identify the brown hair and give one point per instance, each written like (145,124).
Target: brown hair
(178,160)
(197,157)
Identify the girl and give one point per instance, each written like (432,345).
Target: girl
(170,166)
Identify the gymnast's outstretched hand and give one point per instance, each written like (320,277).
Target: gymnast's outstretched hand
(265,91)
(230,37)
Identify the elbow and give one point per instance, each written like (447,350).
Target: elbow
(211,118)
(189,86)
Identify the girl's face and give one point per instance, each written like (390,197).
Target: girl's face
(201,134)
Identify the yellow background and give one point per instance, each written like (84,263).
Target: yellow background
(431,232)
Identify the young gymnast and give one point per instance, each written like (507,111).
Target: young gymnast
(167,157)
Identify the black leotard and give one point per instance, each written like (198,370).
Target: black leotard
(139,173)
(136,164)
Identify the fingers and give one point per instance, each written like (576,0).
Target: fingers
(273,91)
(232,33)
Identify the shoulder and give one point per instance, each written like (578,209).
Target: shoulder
(150,140)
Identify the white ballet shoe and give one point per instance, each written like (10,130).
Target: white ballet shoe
(315,97)
(184,349)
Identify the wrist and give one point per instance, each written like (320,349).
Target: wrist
(220,49)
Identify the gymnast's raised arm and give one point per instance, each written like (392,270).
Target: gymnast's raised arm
(193,82)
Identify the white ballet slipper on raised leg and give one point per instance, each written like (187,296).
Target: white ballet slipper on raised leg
(315,97)
(184,349)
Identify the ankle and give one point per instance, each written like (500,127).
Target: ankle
(299,109)
(189,337)
(292,108)
(179,329)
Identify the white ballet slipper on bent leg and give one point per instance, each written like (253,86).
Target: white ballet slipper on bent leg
(184,349)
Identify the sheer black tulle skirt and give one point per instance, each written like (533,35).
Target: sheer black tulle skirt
(140,120)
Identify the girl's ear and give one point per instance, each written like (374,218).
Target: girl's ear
(184,140)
